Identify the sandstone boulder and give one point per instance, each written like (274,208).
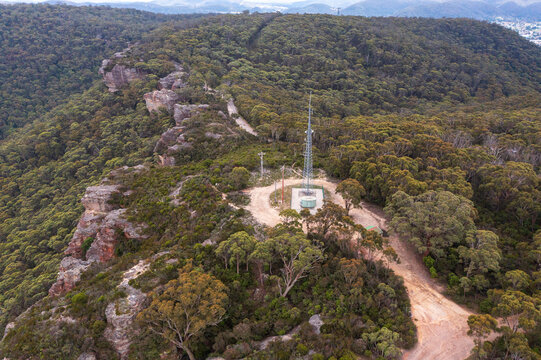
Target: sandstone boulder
(182,112)
(68,275)
(119,76)
(168,138)
(175,80)
(111,228)
(158,99)
(96,198)
(166,160)
(87,356)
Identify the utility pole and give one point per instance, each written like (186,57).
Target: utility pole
(261,154)
(275,191)
(283,169)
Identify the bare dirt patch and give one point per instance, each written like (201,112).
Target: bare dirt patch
(441,324)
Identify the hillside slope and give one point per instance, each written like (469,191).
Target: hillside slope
(50,52)
(415,110)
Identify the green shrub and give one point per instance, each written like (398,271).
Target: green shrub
(86,245)
(302,349)
(429,261)
(79,301)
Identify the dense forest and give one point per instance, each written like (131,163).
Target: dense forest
(437,120)
(51,52)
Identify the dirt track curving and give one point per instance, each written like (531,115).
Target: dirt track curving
(441,324)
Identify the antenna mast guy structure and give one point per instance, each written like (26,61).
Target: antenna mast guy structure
(307,197)
(307,172)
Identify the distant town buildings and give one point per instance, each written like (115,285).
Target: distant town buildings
(529,30)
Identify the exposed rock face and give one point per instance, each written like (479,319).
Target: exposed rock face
(119,76)
(168,138)
(173,140)
(121,313)
(175,80)
(69,274)
(87,227)
(87,356)
(111,227)
(316,322)
(158,99)
(8,327)
(120,316)
(100,222)
(182,112)
(96,198)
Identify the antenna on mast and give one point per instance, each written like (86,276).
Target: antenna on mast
(308,170)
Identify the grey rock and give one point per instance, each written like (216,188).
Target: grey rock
(168,138)
(316,322)
(87,356)
(175,80)
(182,112)
(121,313)
(69,274)
(119,76)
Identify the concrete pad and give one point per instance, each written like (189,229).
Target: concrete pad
(296,195)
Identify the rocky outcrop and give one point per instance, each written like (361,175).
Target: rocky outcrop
(173,140)
(96,198)
(8,327)
(112,227)
(121,313)
(119,76)
(175,80)
(87,356)
(182,112)
(159,99)
(315,321)
(104,225)
(69,274)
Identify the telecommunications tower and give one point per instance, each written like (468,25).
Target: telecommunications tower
(308,171)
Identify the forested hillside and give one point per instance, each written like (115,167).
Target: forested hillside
(51,52)
(438,120)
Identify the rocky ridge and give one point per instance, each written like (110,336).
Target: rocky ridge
(102,225)
(118,76)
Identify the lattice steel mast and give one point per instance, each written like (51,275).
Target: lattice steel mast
(308,171)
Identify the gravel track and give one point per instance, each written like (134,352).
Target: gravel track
(441,323)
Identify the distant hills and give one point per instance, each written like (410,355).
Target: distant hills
(481,10)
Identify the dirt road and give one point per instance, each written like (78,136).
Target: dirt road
(441,324)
